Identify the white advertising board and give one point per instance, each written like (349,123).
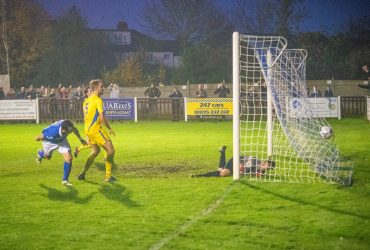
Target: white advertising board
(320,107)
(18,110)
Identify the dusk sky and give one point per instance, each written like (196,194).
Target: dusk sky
(324,15)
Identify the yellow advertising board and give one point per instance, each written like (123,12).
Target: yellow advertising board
(209,106)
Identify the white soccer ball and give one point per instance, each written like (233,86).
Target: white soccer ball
(326,132)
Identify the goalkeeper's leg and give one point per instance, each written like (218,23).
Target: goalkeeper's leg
(222,161)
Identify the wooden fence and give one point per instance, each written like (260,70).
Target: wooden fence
(54,109)
(353,106)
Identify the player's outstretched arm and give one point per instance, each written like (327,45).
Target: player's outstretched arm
(75,131)
(106,124)
(40,137)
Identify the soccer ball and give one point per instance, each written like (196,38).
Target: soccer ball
(326,132)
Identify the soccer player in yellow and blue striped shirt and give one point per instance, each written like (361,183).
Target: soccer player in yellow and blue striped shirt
(98,137)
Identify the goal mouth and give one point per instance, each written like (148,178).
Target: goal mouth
(274,118)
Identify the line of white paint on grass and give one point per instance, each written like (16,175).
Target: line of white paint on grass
(188,224)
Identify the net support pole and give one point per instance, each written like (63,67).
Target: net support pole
(236,94)
(185,109)
(135,105)
(269,104)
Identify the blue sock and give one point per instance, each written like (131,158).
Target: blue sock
(67,170)
(41,153)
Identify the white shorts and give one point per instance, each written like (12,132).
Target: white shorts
(63,147)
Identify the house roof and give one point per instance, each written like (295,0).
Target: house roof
(143,42)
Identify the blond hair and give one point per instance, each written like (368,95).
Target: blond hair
(94,84)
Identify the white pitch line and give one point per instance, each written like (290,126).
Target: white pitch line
(188,224)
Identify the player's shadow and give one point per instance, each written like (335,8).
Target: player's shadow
(117,192)
(304,202)
(71,195)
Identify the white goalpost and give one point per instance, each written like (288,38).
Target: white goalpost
(273,123)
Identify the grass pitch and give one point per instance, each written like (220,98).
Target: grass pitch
(155,205)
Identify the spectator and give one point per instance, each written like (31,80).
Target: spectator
(200,92)
(79,95)
(63,91)
(176,104)
(31,94)
(43,92)
(152,92)
(52,94)
(328,92)
(365,85)
(11,94)
(313,92)
(2,94)
(22,94)
(365,68)
(222,90)
(113,90)
(175,93)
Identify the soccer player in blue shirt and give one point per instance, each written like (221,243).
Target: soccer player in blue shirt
(55,137)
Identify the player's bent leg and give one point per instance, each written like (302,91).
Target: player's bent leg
(95,150)
(46,152)
(80,148)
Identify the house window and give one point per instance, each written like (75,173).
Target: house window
(119,38)
(166,56)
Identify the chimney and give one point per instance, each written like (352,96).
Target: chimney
(122,25)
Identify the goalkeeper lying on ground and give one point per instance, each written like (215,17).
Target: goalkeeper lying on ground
(248,165)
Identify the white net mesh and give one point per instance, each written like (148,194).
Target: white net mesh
(297,151)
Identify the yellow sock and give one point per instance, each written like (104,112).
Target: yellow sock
(108,169)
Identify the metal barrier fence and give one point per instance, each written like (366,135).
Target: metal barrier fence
(353,106)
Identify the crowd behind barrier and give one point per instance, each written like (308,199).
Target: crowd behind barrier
(66,102)
(113,91)
(169,109)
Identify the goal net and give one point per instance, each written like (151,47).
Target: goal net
(276,135)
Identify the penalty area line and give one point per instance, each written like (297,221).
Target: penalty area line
(182,228)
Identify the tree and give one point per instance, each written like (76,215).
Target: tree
(188,22)
(339,55)
(77,54)
(357,39)
(28,27)
(134,72)
(206,64)
(318,47)
(131,71)
(277,17)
